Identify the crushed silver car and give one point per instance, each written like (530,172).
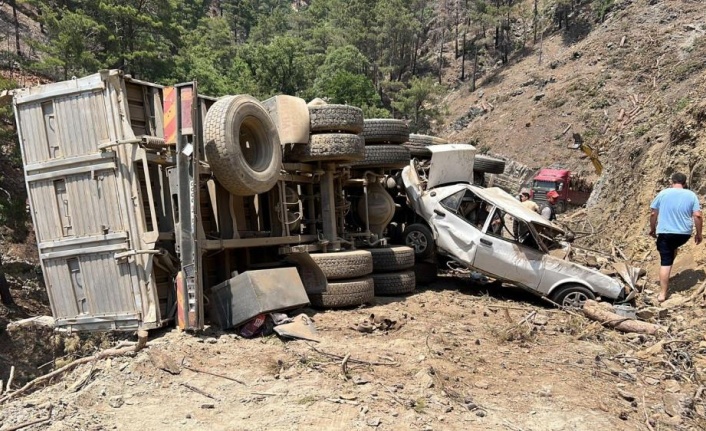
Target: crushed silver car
(489,231)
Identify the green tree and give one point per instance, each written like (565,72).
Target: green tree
(210,57)
(280,67)
(419,103)
(72,45)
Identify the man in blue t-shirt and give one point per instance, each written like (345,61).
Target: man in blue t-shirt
(675,213)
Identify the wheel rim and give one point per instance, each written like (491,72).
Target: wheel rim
(418,241)
(574,300)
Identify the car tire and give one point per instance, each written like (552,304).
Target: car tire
(344,264)
(421,239)
(390,259)
(345,293)
(336,118)
(385,131)
(489,165)
(394,283)
(384,156)
(244,170)
(342,147)
(572,295)
(426,273)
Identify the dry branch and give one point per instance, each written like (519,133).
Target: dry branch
(104,354)
(594,311)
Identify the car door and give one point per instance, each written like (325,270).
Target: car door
(455,235)
(502,255)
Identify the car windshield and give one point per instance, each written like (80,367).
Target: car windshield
(544,185)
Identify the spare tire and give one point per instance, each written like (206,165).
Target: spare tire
(344,264)
(418,150)
(342,147)
(336,118)
(242,145)
(384,156)
(426,140)
(490,165)
(382,131)
(345,293)
(394,283)
(390,259)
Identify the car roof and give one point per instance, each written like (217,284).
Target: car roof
(512,206)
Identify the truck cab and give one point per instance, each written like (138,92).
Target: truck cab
(572,189)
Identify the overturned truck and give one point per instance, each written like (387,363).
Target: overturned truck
(148,200)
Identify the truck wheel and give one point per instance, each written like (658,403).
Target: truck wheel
(385,131)
(426,140)
(417,150)
(342,147)
(384,156)
(392,258)
(344,264)
(487,164)
(572,295)
(242,145)
(420,238)
(336,118)
(345,293)
(394,283)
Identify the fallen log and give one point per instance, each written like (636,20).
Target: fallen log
(594,311)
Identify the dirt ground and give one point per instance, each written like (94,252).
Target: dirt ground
(464,356)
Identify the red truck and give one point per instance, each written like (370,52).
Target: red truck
(573,190)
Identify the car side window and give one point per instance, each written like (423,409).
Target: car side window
(452,202)
(509,228)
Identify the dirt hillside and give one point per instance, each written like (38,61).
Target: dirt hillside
(633,87)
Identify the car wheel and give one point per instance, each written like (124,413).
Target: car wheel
(420,238)
(385,131)
(572,296)
(345,293)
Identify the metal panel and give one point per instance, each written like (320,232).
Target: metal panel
(83,202)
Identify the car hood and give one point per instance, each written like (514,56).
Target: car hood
(451,163)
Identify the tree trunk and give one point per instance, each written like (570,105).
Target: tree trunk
(475,67)
(16,23)
(596,312)
(456,36)
(441,52)
(535,22)
(463,58)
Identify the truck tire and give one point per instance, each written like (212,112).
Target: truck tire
(345,293)
(385,131)
(342,147)
(242,145)
(487,164)
(394,283)
(390,259)
(417,150)
(344,264)
(336,118)
(426,273)
(421,239)
(384,156)
(426,140)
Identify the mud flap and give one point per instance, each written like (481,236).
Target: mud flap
(312,276)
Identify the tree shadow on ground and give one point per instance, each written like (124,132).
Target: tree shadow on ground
(578,30)
(496,290)
(686,279)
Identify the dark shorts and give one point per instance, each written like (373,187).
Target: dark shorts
(667,245)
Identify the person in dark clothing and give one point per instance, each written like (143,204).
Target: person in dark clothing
(548,211)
